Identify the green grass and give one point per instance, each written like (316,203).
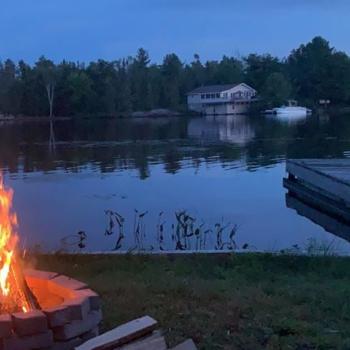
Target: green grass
(246,301)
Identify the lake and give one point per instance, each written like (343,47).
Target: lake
(198,183)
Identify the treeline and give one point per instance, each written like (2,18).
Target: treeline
(311,72)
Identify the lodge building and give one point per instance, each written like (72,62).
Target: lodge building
(222,99)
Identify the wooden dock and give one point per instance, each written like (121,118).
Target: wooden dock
(321,184)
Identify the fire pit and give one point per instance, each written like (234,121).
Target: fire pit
(39,309)
(69,314)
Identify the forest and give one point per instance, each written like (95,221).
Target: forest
(311,72)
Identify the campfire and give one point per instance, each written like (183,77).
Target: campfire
(39,309)
(15,294)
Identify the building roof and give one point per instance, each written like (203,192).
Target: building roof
(216,88)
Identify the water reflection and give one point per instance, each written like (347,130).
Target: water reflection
(289,118)
(52,139)
(110,145)
(66,175)
(319,216)
(236,129)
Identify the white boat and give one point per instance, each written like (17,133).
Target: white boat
(292,109)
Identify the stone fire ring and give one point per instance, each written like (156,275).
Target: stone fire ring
(70,315)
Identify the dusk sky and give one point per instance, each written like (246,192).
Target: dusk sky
(85,30)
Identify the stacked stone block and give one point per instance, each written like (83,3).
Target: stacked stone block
(70,315)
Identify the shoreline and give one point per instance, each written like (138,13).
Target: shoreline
(153,114)
(263,300)
(290,253)
(21,119)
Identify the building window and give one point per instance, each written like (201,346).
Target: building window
(212,95)
(225,94)
(218,95)
(207,95)
(202,96)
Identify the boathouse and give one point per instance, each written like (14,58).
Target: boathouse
(221,99)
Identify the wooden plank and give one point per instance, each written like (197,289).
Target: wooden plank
(340,168)
(186,345)
(153,342)
(339,173)
(326,221)
(322,182)
(324,162)
(321,169)
(121,335)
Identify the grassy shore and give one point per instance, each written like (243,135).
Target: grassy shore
(246,301)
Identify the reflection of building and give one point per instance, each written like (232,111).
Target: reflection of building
(221,99)
(233,129)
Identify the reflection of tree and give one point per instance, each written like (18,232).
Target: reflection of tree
(52,139)
(172,161)
(111,145)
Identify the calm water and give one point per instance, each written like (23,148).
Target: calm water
(221,170)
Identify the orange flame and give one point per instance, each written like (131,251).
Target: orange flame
(8,236)
(8,242)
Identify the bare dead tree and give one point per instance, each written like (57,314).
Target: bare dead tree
(49,73)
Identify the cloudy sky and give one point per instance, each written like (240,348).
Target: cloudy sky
(84,30)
